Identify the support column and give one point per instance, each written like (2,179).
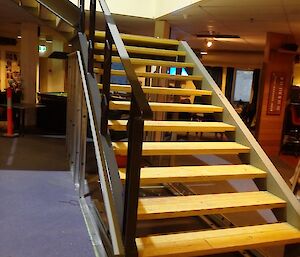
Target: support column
(275,84)
(29,65)
(2,69)
(56,76)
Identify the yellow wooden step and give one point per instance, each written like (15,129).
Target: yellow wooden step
(175,126)
(194,205)
(152,75)
(184,148)
(144,62)
(204,243)
(160,90)
(141,39)
(186,174)
(145,50)
(169,107)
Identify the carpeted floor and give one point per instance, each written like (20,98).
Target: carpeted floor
(40,213)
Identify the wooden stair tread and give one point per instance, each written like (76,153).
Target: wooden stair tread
(144,62)
(160,90)
(194,205)
(184,148)
(141,39)
(187,174)
(204,243)
(152,75)
(145,50)
(169,107)
(175,126)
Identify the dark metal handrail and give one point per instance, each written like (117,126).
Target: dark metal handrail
(142,103)
(82,16)
(139,111)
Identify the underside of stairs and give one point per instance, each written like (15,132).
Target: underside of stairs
(191,117)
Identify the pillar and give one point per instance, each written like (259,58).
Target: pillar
(2,69)
(275,84)
(56,68)
(29,63)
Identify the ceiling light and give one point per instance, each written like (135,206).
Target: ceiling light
(19,37)
(203,53)
(209,43)
(69,45)
(49,41)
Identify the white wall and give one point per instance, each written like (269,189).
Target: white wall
(151,9)
(164,7)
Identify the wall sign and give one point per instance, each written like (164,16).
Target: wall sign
(277,83)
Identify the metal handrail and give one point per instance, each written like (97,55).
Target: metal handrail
(139,111)
(142,103)
(121,211)
(258,158)
(101,151)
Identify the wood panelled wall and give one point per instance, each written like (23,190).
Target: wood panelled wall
(279,61)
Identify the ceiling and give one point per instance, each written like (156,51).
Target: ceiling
(12,16)
(250,19)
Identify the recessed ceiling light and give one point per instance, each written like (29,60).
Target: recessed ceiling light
(69,45)
(209,43)
(19,37)
(49,41)
(203,53)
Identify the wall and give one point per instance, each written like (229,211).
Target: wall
(269,129)
(164,7)
(154,8)
(296,79)
(52,71)
(242,59)
(3,50)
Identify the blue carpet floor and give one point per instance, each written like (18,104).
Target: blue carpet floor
(40,216)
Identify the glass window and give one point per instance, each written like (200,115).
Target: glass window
(243,85)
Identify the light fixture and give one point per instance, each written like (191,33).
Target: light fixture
(19,37)
(69,45)
(203,53)
(42,49)
(209,43)
(49,41)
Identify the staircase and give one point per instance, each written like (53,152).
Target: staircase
(236,140)
(194,243)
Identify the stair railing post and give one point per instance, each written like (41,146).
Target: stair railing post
(92,36)
(106,81)
(82,16)
(132,184)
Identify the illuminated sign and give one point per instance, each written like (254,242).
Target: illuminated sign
(42,49)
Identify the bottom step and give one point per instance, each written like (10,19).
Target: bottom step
(217,241)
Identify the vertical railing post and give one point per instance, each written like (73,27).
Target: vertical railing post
(132,186)
(106,81)
(82,17)
(92,36)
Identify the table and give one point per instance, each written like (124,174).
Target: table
(22,108)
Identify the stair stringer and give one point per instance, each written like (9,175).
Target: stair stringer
(257,157)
